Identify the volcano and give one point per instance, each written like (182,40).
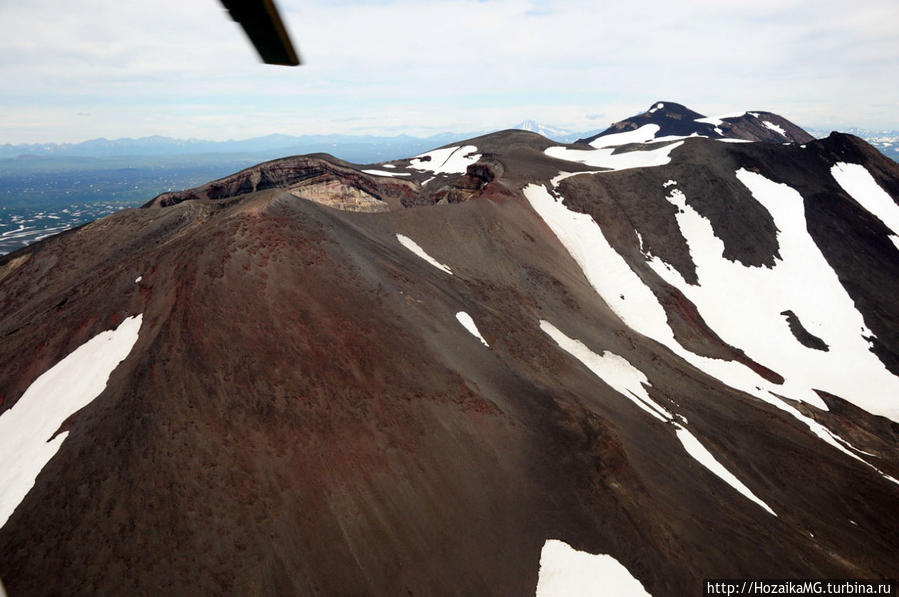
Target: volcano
(659,355)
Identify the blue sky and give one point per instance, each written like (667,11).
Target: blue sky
(113,68)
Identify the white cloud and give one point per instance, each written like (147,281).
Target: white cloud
(182,68)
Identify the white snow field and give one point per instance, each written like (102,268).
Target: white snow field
(64,389)
(759,295)
(862,187)
(638,308)
(383,173)
(604,158)
(631,383)
(468,323)
(413,246)
(449,160)
(566,572)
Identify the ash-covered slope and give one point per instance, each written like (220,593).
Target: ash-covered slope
(678,358)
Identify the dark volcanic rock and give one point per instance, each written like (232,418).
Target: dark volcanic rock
(803,335)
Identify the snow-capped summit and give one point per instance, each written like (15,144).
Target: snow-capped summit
(664,121)
(550,132)
(542,129)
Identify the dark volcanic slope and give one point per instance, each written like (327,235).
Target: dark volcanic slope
(303,411)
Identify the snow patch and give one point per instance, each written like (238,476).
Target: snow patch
(566,572)
(668,138)
(68,386)
(449,160)
(415,248)
(468,323)
(774,127)
(656,108)
(861,186)
(605,158)
(734,140)
(388,165)
(138,279)
(383,173)
(719,120)
(645,133)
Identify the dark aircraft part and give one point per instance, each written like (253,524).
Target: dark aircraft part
(262,24)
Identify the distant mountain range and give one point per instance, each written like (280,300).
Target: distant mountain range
(354,148)
(362,149)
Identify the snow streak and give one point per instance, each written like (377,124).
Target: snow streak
(468,323)
(773,127)
(27,441)
(384,173)
(631,383)
(862,187)
(413,246)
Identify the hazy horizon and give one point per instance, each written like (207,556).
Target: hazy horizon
(397,133)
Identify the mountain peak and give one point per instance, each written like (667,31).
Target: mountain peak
(548,131)
(665,120)
(672,110)
(528,125)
